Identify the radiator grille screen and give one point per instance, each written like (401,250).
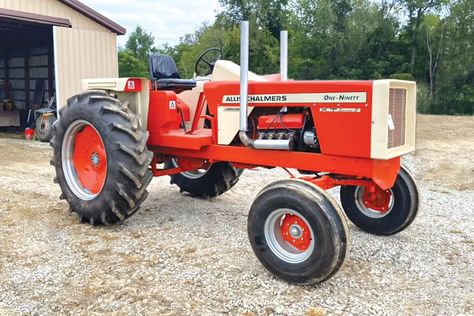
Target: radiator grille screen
(397,110)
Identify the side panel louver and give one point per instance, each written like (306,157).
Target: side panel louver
(397,110)
(393,118)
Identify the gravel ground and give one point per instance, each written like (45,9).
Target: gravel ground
(181,256)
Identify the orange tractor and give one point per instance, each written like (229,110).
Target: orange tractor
(113,138)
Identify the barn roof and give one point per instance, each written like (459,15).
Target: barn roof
(95,16)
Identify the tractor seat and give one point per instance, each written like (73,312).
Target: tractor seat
(165,76)
(176,85)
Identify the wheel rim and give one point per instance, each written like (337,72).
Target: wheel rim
(195,174)
(84,160)
(289,236)
(44,127)
(374,202)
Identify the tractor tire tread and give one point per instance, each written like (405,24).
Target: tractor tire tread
(115,110)
(140,158)
(128,173)
(135,136)
(140,201)
(219,178)
(121,191)
(146,181)
(81,96)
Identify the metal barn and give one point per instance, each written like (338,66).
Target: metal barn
(46,48)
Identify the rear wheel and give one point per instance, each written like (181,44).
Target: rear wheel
(298,232)
(208,181)
(101,158)
(382,212)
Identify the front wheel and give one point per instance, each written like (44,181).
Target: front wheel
(382,212)
(298,232)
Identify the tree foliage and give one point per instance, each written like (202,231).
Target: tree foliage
(430,41)
(133,58)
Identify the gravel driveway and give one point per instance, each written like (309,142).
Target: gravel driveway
(182,256)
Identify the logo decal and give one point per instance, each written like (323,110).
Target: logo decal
(131,85)
(172,105)
(342,97)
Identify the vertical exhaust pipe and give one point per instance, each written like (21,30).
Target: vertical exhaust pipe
(244,83)
(275,144)
(284,60)
(284,55)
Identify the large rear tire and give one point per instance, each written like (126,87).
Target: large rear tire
(207,182)
(298,232)
(382,212)
(101,158)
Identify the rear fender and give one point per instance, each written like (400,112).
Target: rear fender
(135,91)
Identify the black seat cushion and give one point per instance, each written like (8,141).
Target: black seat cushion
(176,85)
(165,75)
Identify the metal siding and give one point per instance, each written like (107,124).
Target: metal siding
(83,54)
(53,8)
(85,51)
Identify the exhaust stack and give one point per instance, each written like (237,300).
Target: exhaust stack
(284,55)
(244,84)
(281,144)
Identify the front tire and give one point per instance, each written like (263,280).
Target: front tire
(298,232)
(101,158)
(382,212)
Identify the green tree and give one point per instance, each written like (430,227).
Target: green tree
(455,79)
(267,14)
(130,65)
(434,29)
(133,59)
(140,42)
(416,10)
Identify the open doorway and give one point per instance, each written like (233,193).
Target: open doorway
(26,71)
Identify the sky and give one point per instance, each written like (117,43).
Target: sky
(167,20)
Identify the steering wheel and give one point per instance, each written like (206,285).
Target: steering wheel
(206,62)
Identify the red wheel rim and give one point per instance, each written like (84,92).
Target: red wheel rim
(90,159)
(377,199)
(289,235)
(296,232)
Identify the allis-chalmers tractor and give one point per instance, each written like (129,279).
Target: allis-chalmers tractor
(113,138)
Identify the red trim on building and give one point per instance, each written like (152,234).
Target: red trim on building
(95,16)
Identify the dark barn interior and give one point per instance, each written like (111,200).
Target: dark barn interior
(26,69)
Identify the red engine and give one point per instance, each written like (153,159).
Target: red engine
(296,127)
(281,121)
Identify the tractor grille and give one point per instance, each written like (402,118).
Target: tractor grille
(397,110)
